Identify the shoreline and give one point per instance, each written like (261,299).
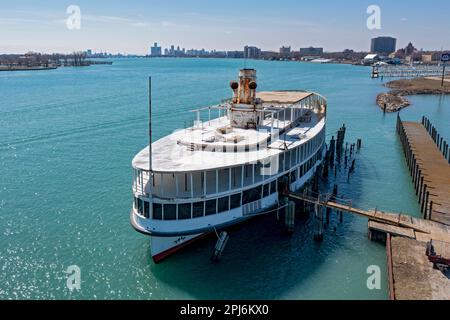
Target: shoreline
(53,67)
(4,68)
(394,100)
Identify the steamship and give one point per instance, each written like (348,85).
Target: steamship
(226,167)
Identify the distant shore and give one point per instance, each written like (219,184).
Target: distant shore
(24,68)
(395,100)
(52,67)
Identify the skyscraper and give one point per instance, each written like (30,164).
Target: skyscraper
(384,45)
(252,52)
(155,51)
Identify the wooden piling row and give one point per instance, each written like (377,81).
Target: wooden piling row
(430,172)
(442,145)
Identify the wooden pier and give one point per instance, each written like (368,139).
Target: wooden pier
(411,275)
(415,247)
(428,156)
(407,71)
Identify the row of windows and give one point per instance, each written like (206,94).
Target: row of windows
(295,156)
(209,207)
(204,208)
(210,182)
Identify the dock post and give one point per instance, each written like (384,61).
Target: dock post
(318,222)
(420,190)
(289,218)
(427,197)
(422,207)
(431,210)
(418,178)
(332,150)
(220,246)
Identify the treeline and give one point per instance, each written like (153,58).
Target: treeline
(33,59)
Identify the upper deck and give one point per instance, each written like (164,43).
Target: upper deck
(286,119)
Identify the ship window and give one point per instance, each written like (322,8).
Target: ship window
(224,179)
(223,204)
(184,211)
(139,207)
(248,174)
(266,190)
(273,186)
(287,160)
(170,212)
(280,162)
(293,176)
(210,207)
(257,173)
(157,211)
(198,208)
(136,203)
(236,177)
(251,195)
(235,201)
(210,182)
(146,209)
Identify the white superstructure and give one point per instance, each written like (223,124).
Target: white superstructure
(221,171)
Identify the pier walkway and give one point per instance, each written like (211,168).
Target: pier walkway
(428,156)
(411,274)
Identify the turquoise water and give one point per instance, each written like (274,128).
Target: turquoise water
(67,140)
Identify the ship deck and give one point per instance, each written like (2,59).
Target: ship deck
(169,155)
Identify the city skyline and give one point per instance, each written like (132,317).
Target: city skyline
(122,28)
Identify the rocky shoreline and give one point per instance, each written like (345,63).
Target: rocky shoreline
(395,100)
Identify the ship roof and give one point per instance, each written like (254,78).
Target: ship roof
(171,156)
(282,97)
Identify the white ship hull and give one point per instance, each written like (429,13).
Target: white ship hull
(163,247)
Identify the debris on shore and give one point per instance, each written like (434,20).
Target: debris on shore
(390,102)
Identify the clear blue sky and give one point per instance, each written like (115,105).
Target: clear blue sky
(131,26)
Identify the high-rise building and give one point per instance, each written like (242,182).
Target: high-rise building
(252,52)
(383,45)
(311,51)
(285,52)
(155,51)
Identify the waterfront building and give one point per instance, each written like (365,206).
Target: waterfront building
(410,49)
(235,54)
(285,52)
(311,51)
(251,52)
(383,45)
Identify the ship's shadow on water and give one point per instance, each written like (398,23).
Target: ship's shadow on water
(262,261)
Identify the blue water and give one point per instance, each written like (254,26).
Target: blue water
(67,140)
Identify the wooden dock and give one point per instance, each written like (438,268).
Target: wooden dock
(414,246)
(411,276)
(428,156)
